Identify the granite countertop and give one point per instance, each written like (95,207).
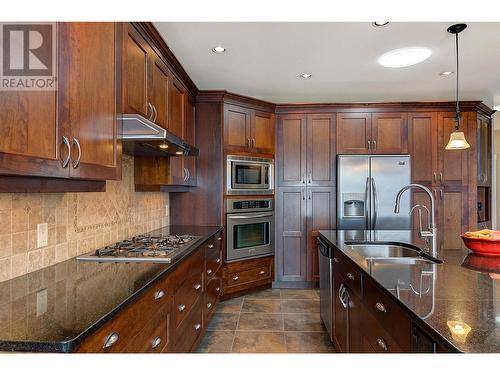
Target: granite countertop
(458,299)
(55,308)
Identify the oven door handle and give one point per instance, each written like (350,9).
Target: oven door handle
(250,217)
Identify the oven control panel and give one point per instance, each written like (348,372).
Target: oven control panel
(246,205)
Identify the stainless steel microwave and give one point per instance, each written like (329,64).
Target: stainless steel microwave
(249,176)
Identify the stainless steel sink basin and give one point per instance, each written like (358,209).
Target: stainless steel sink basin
(391,252)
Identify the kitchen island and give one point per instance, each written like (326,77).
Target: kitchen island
(58,308)
(455,303)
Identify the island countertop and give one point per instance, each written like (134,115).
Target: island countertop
(55,308)
(450,298)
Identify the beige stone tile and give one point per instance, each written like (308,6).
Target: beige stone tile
(232,305)
(19,243)
(300,306)
(20,219)
(19,264)
(35,217)
(49,215)
(61,252)
(260,322)
(61,234)
(32,240)
(261,306)
(259,342)
(308,342)
(5,245)
(223,322)
(216,342)
(49,256)
(35,260)
(5,222)
(5,202)
(303,322)
(265,294)
(5,269)
(299,294)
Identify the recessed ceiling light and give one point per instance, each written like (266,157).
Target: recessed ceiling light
(179,152)
(305,75)
(380,23)
(403,57)
(164,146)
(218,49)
(447,73)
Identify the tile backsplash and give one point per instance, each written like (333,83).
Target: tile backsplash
(77,222)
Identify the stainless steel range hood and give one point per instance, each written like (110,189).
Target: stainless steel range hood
(141,136)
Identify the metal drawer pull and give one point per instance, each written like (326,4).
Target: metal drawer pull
(209,271)
(211,246)
(181,307)
(197,286)
(197,327)
(65,162)
(217,289)
(111,340)
(381,344)
(156,343)
(335,260)
(380,307)
(217,260)
(350,276)
(209,305)
(236,278)
(219,238)
(159,294)
(262,272)
(77,161)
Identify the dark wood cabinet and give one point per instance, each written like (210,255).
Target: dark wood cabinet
(247,274)
(176,111)
(423,131)
(321,154)
(354,132)
(262,132)
(292,150)
(159,90)
(341,314)
(190,138)
(484,151)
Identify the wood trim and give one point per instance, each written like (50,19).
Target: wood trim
(162,188)
(236,99)
(14,184)
(162,49)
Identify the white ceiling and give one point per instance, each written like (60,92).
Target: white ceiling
(263,60)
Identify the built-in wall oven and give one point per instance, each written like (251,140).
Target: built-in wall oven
(249,176)
(250,228)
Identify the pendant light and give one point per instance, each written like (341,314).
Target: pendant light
(457,138)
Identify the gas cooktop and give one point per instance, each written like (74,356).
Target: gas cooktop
(143,248)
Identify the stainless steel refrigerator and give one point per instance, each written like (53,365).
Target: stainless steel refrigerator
(366,192)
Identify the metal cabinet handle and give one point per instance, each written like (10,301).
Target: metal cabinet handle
(310,195)
(262,272)
(219,238)
(435,176)
(197,286)
(440,177)
(309,180)
(111,340)
(159,294)
(382,344)
(341,295)
(217,260)
(335,260)
(236,278)
(65,162)
(350,276)
(441,194)
(374,145)
(217,289)
(369,145)
(197,326)
(150,107)
(188,173)
(155,112)
(184,174)
(303,195)
(181,307)
(209,271)
(209,305)
(77,161)
(248,143)
(211,246)
(380,307)
(156,343)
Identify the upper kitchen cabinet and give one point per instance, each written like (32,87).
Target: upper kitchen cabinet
(483,144)
(159,91)
(177,103)
(71,132)
(321,155)
(292,150)
(377,133)
(422,135)
(247,130)
(87,99)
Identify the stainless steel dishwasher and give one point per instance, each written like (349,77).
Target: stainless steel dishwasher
(326,285)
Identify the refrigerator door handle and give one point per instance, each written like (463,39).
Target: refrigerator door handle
(375,203)
(366,203)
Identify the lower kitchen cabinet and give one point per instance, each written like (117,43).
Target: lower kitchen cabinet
(245,275)
(172,315)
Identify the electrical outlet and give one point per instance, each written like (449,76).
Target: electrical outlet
(41,302)
(166,210)
(42,234)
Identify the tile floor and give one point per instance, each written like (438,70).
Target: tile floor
(269,321)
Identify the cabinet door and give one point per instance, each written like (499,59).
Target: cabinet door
(422,129)
(237,132)
(263,125)
(483,151)
(453,213)
(292,147)
(353,133)
(341,316)
(389,133)
(453,164)
(321,150)
(291,226)
(176,101)
(135,72)
(189,137)
(159,90)
(87,94)
(320,216)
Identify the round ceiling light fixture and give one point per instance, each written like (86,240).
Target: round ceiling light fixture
(305,75)
(403,57)
(380,23)
(218,49)
(446,73)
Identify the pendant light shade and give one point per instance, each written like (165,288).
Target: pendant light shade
(457,138)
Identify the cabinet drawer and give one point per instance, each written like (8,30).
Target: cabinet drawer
(190,329)
(350,272)
(186,296)
(374,337)
(213,262)
(391,316)
(153,337)
(193,265)
(249,276)
(213,292)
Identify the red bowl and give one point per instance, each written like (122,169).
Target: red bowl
(482,246)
